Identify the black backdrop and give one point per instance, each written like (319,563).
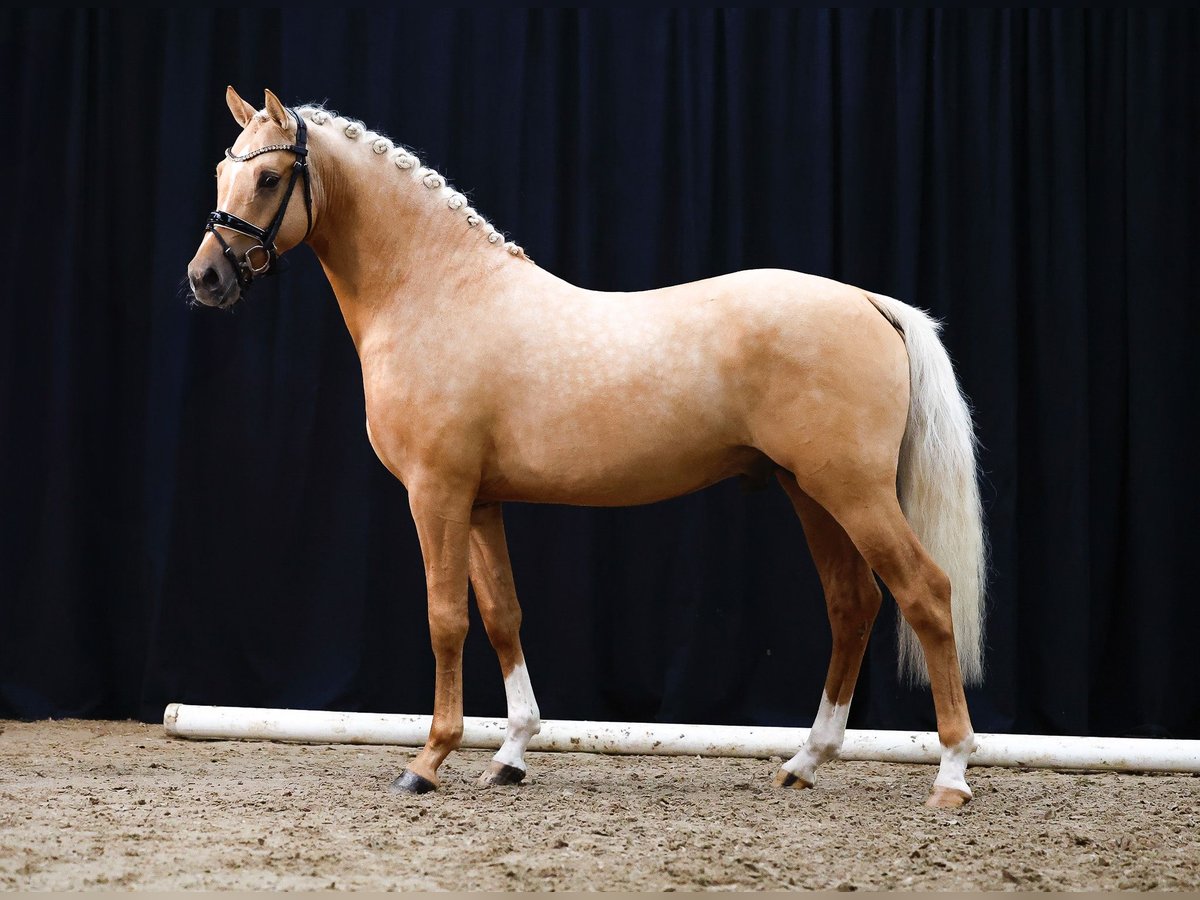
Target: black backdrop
(191,510)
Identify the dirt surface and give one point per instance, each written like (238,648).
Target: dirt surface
(121,805)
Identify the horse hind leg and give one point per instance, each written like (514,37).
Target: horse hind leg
(852,599)
(875,523)
(496,595)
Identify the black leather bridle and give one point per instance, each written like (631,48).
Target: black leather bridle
(244,269)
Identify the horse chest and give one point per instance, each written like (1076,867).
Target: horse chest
(412,426)
(399,443)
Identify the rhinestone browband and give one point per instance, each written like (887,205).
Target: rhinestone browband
(259,152)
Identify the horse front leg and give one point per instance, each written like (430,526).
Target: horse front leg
(443,518)
(496,594)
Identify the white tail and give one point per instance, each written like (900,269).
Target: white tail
(938,490)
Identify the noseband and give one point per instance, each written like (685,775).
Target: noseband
(244,269)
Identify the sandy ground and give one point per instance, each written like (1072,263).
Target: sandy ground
(121,805)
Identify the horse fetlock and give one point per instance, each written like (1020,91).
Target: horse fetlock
(952,773)
(445,738)
(520,731)
(956,739)
(524,718)
(823,751)
(525,723)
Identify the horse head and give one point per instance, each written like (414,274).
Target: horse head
(256,183)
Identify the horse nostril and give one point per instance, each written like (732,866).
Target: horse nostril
(210,279)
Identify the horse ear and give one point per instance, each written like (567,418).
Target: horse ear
(242,111)
(276,111)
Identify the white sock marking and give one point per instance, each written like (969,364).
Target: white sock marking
(953,771)
(523,718)
(824,740)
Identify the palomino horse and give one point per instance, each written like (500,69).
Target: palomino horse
(488,379)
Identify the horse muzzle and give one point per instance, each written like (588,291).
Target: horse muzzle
(214,285)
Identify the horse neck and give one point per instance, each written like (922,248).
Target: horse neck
(390,246)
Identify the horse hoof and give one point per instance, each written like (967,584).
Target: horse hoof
(946,798)
(501,773)
(784,778)
(412,783)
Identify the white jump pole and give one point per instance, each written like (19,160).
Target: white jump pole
(1017,750)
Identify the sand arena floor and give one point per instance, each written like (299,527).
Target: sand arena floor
(120,805)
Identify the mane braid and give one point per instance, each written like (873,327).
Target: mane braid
(407,160)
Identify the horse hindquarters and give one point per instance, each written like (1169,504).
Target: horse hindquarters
(853,476)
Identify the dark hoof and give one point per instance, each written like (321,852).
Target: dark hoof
(501,773)
(412,783)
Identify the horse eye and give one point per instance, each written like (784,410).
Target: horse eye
(268,180)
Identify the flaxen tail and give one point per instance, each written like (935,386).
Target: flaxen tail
(939,490)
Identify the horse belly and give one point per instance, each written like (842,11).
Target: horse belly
(630,406)
(587,465)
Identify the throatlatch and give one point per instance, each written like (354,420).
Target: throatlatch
(244,269)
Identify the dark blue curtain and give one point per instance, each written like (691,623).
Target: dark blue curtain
(190,507)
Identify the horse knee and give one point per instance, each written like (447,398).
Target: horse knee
(448,629)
